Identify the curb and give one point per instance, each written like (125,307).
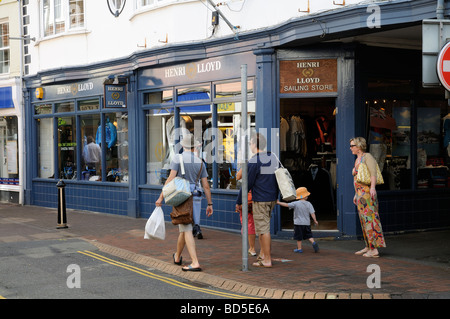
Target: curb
(227,284)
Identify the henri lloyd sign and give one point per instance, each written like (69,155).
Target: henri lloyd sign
(73,90)
(192,69)
(115,95)
(214,69)
(308,76)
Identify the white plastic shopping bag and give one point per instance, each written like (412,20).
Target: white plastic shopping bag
(155,227)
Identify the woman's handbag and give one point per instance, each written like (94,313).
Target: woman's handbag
(178,189)
(183,213)
(363,176)
(155,227)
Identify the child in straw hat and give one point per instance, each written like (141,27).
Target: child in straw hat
(302,223)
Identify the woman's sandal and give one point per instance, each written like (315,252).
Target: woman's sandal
(259,263)
(362,251)
(371,255)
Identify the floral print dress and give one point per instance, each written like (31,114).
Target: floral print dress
(368,214)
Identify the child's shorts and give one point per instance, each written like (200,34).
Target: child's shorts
(251,223)
(302,232)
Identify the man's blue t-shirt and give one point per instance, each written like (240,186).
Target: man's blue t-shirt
(261,178)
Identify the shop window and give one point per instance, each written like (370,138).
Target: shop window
(218,139)
(88,105)
(160,144)
(67,145)
(91,150)
(40,109)
(433,144)
(65,107)
(231,89)
(159,97)
(9,167)
(116,145)
(229,133)
(389,140)
(201,92)
(45,148)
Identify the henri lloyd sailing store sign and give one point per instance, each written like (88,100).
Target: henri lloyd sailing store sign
(308,76)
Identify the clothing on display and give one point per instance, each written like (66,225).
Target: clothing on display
(284,129)
(110,134)
(295,135)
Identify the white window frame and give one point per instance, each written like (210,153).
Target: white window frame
(144,4)
(60,16)
(6,64)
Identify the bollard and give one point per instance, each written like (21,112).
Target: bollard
(62,219)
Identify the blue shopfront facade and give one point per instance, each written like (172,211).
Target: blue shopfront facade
(197,86)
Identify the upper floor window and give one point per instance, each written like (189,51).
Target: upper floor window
(147,3)
(4,47)
(62,15)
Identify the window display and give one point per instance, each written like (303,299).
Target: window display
(91,150)
(9,168)
(391,142)
(45,148)
(215,126)
(67,144)
(80,152)
(116,144)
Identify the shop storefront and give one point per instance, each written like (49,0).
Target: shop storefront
(315,97)
(11,145)
(77,136)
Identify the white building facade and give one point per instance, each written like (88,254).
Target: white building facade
(11,104)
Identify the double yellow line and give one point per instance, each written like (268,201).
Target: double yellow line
(169,281)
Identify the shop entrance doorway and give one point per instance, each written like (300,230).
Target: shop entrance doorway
(308,151)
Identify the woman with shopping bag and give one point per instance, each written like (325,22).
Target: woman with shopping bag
(193,170)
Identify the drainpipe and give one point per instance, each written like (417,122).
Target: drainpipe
(440,9)
(21,114)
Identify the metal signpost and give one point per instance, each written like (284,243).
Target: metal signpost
(244,179)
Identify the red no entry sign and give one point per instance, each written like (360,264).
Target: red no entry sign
(443,66)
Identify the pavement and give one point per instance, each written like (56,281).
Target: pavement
(412,266)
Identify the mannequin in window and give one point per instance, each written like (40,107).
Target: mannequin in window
(110,134)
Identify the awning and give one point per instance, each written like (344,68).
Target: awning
(6,100)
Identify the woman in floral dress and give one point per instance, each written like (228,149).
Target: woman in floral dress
(366,200)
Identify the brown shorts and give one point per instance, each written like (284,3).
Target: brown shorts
(262,211)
